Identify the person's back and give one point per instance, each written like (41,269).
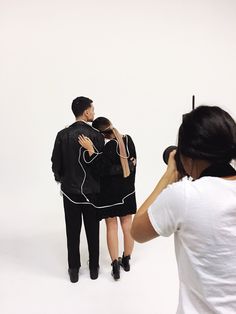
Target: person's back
(73,168)
(205,243)
(200,213)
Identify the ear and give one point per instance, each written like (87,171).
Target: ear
(86,112)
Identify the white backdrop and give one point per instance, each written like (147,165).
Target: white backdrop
(140,61)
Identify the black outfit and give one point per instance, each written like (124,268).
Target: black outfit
(114,187)
(73,218)
(70,174)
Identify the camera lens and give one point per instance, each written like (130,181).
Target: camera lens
(167,152)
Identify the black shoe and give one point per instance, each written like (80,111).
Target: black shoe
(94,273)
(74,274)
(124,262)
(115,269)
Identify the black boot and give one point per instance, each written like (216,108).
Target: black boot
(115,269)
(94,273)
(74,274)
(124,262)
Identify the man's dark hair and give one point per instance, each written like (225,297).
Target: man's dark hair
(208,133)
(80,104)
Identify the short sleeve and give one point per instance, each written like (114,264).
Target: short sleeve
(167,212)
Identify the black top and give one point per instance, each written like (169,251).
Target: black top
(65,164)
(114,187)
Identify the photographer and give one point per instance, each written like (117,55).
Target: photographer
(200,212)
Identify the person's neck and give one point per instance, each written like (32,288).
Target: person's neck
(198,166)
(81,118)
(202,165)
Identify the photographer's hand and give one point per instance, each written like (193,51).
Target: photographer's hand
(171,171)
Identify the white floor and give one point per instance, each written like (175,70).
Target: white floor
(33,269)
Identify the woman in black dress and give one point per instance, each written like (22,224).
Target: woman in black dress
(117,198)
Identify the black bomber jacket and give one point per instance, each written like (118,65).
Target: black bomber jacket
(68,160)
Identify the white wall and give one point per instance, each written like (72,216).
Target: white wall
(140,61)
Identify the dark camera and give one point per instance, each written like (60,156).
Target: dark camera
(179,165)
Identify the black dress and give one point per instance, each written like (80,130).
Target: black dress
(117,197)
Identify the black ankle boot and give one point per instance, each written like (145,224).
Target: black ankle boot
(74,274)
(124,262)
(115,269)
(94,273)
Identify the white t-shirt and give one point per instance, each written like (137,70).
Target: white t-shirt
(202,215)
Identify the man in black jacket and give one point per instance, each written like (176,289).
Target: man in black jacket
(76,172)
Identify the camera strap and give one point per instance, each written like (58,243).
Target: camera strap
(219,170)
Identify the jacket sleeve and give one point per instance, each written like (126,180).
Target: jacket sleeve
(99,143)
(94,161)
(131,146)
(57,159)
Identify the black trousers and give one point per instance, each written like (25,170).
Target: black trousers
(73,219)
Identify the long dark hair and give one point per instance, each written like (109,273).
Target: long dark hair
(104,126)
(208,133)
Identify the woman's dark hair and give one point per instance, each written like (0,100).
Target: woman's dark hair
(208,133)
(80,104)
(101,123)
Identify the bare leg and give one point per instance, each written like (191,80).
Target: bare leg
(126,222)
(112,237)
